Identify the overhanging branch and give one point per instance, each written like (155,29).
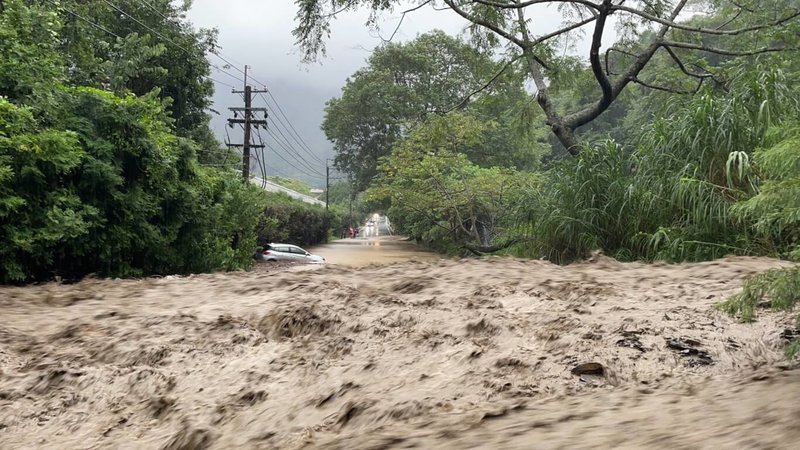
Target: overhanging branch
(482,88)
(594,56)
(715,31)
(490,26)
(525,4)
(481,249)
(725,52)
(402,17)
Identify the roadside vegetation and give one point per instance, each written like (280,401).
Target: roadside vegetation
(107,162)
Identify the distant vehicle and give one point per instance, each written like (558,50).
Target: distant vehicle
(289,252)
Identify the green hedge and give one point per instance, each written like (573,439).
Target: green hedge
(291,221)
(107,188)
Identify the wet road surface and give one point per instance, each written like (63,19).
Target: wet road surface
(364,251)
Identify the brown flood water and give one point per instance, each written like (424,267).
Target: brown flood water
(496,353)
(365,251)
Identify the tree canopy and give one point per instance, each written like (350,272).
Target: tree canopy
(647,28)
(105,147)
(435,73)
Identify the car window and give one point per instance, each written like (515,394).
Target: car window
(297,250)
(281,249)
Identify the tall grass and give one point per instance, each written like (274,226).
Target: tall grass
(668,194)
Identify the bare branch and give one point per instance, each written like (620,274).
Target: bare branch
(402,17)
(525,4)
(730,21)
(483,23)
(683,67)
(668,89)
(482,88)
(591,112)
(481,249)
(726,52)
(608,53)
(594,55)
(715,31)
(561,31)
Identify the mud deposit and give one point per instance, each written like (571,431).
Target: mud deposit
(496,353)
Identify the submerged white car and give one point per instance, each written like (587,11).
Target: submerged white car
(289,252)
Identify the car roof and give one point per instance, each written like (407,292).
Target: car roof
(284,245)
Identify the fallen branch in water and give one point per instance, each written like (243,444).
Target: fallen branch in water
(483,249)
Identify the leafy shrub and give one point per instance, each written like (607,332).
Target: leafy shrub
(109,189)
(291,221)
(775,210)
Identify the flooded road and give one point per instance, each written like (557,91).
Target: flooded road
(364,251)
(495,353)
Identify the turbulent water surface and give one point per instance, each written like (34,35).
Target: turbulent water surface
(493,353)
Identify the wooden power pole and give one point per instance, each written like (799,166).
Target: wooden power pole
(247,121)
(327,184)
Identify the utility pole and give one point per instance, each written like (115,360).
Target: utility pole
(247,121)
(327,184)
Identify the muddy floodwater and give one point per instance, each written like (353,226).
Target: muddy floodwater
(364,251)
(428,353)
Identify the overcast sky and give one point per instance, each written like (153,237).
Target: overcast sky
(258,33)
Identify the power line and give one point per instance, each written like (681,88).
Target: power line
(288,147)
(111,33)
(168,19)
(286,144)
(296,137)
(149,5)
(304,172)
(99,27)
(290,150)
(145,26)
(170,41)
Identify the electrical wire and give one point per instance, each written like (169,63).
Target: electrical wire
(111,33)
(151,7)
(296,136)
(286,144)
(290,151)
(284,121)
(237,78)
(165,38)
(304,172)
(99,27)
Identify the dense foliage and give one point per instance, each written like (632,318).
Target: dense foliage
(109,189)
(286,220)
(433,74)
(441,198)
(104,142)
(692,36)
(684,135)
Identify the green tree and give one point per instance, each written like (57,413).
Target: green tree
(775,210)
(647,28)
(438,196)
(404,83)
(100,181)
(135,46)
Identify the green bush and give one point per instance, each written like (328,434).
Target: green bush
(775,210)
(291,221)
(109,189)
